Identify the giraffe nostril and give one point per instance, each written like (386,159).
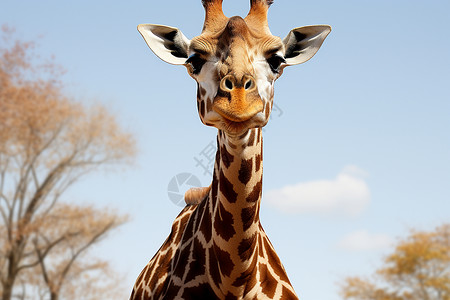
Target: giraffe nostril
(228,84)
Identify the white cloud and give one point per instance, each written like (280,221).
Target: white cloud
(362,240)
(347,194)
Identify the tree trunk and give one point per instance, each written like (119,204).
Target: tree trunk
(54,296)
(10,277)
(7,289)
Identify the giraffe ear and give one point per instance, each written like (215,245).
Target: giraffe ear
(303,42)
(168,43)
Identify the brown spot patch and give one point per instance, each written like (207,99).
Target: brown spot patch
(184,218)
(223,223)
(261,151)
(246,247)
(158,291)
(141,276)
(214,267)
(198,265)
(248,217)
(267,112)
(224,260)
(199,212)
(287,294)
(202,291)
(245,172)
(181,260)
(226,188)
(268,282)
(227,158)
(214,190)
(171,291)
(172,238)
(255,195)
(161,269)
(146,275)
(248,277)
(260,243)
(187,230)
(251,139)
(257,162)
(205,225)
(164,264)
(259,135)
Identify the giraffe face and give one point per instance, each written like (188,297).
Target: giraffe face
(235,69)
(235,62)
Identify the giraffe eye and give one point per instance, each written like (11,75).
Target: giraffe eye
(196,63)
(275,62)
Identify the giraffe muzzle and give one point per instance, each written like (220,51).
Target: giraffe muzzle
(237,101)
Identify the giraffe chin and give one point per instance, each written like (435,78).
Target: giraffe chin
(237,128)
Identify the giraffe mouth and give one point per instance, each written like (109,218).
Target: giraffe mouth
(238,113)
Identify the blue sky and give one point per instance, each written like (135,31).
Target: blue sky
(362,137)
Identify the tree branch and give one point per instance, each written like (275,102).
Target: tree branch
(48,248)
(82,249)
(40,261)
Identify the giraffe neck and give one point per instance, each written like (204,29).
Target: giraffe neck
(235,201)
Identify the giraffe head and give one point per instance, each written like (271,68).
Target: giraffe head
(235,62)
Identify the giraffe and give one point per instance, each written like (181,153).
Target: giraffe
(217,248)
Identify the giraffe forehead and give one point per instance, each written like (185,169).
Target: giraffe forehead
(235,38)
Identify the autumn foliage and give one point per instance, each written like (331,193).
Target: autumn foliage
(418,269)
(47,142)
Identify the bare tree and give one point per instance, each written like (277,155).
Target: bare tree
(47,142)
